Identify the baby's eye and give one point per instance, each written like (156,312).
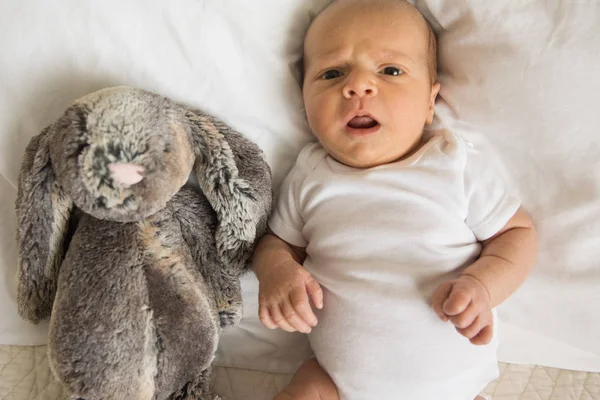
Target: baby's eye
(331,74)
(394,71)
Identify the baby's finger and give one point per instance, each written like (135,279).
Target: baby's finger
(292,317)
(466,318)
(265,317)
(485,336)
(316,293)
(457,302)
(439,296)
(473,330)
(299,300)
(279,319)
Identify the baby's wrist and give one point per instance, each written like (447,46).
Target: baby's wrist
(262,271)
(266,269)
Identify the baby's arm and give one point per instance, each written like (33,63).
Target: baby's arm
(285,286)
(505,262)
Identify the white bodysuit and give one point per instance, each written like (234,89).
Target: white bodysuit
(380,241)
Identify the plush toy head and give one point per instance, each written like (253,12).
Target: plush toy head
(122,153)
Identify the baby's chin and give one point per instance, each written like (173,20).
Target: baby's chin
(363,157)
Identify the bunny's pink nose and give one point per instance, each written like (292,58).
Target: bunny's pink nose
(126,174)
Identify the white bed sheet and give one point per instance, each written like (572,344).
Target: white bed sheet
(522,73)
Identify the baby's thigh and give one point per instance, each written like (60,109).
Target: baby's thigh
(310,382)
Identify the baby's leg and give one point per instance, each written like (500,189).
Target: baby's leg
(311,382)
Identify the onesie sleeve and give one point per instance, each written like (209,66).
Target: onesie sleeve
(286,220)
(490,202)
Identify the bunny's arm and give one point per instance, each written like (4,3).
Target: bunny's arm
(198,226)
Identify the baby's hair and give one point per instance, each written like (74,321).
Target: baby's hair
(431,50)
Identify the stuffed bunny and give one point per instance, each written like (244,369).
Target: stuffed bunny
(137,272)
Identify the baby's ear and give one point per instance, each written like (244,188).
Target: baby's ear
(43,210)
(240,206)
(435,89)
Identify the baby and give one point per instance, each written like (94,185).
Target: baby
(403,238)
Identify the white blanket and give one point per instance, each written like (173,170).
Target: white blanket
(522,74)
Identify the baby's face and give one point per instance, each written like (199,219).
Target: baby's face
(367,88)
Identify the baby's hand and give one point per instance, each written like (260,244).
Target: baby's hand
(283,298)
(466,303)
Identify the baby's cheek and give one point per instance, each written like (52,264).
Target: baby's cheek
(319,116)
(411,118)
(314,121)
(408,99)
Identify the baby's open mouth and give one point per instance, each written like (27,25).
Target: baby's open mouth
(362,122)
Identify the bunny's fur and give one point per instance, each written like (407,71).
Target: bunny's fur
(137,280)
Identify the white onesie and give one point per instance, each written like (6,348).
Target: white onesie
(380,241)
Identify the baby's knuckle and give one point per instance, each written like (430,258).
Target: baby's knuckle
(462,321)
(470,333)
(463,332)
(461,325)
(299,274)
(267,303)
(299,304)
(276,319)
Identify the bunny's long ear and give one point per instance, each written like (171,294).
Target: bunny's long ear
(236,180)
(43,211)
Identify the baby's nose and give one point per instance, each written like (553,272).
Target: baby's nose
(359,86)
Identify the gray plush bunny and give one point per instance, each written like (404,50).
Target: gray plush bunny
(137,272)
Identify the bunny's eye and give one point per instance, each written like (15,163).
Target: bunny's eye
(101,202)
(114,149)
(128,201)
(78,149)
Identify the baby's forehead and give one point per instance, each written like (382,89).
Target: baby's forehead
(371,11)
(364,20)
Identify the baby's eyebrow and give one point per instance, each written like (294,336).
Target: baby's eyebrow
(394,54)
(327,57)
(319,63)
(338,58)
